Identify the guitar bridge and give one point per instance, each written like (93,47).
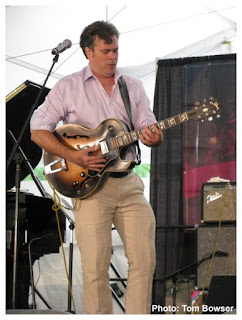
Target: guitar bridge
(48,168)
(104,147)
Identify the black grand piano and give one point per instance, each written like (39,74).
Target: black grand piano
(36,219)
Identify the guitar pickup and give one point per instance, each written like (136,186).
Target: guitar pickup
(104,147)
(48,169)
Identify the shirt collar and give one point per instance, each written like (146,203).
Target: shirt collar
(88,74)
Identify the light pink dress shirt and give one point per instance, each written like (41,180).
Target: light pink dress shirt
(80,99)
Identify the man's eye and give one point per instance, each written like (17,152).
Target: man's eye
(107,51)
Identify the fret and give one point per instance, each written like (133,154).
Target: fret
(134,136)
(129,137)
(115,143)
(125,139)
(183,117)
(162,125)
(171,122)
(120,141)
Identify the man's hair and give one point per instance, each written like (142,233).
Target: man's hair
(104,30)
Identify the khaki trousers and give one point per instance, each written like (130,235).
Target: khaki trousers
(120,202)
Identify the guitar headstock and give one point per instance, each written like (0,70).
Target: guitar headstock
(205,111)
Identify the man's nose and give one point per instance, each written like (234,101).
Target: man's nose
(112,55)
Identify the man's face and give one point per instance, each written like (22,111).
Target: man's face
(103,58)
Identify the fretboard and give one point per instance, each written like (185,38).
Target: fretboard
(132,136)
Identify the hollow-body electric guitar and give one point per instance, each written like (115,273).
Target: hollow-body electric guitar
(110,137)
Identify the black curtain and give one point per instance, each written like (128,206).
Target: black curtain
(176,91)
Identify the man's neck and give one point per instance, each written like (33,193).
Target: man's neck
(106,82)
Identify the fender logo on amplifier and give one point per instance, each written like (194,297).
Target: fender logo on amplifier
(214,197)
(218,202)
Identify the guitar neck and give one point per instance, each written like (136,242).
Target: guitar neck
(133,136)
(172,121)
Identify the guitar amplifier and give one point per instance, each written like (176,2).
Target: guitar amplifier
(218,202)
(211,237)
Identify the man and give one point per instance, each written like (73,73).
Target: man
(87,98)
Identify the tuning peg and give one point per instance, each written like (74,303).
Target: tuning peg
(218,116)
(210,118)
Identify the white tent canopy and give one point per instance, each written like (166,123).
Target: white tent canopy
(149,30)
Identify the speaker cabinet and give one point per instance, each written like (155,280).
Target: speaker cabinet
(224,262)
(218,202)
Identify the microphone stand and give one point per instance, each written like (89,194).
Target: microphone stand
(18,158)
(71,227)
(32,273)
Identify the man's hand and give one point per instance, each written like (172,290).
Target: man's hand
(84,157)
(151,138)
(87,160)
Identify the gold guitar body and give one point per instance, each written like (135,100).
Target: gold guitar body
(75,181)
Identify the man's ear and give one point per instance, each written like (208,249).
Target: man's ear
(88,52)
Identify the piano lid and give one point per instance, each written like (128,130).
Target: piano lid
(18,105)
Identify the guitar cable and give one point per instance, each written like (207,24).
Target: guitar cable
(56,206)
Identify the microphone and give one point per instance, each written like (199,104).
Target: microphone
(220,253)
(62,47)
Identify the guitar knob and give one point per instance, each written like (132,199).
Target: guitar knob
(82,174)
(75,183)
(110,128)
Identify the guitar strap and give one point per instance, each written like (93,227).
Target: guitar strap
(125,96)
